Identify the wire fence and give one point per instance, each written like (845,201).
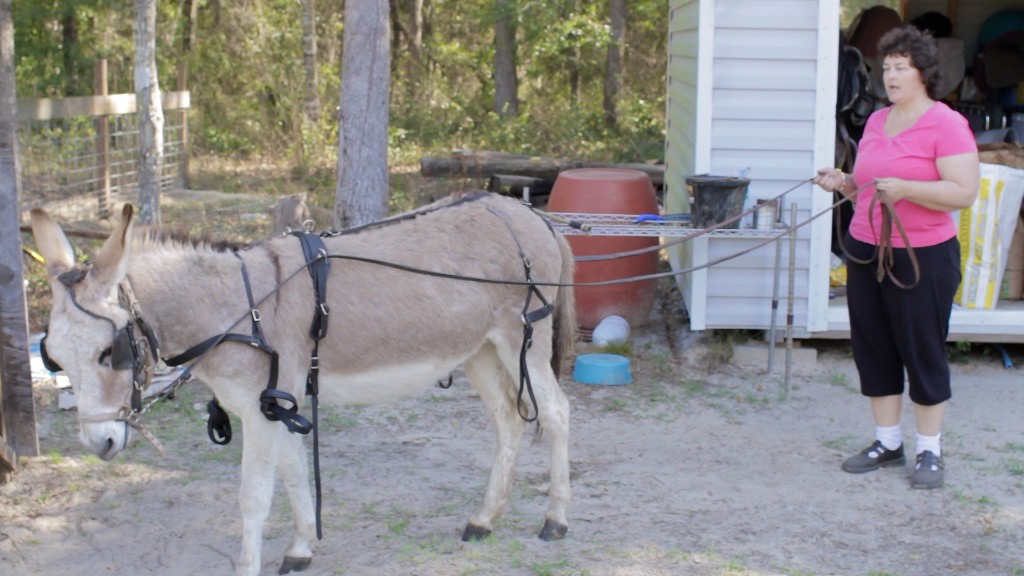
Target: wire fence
(78,166)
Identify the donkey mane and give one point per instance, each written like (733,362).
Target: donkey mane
(162,236)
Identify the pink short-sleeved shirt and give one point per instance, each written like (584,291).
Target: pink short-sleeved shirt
(910,155)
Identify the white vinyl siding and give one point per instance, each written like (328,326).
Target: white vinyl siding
(760,111)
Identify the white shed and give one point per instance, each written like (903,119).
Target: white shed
(752,84)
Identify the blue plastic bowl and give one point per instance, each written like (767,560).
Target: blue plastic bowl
(609,369)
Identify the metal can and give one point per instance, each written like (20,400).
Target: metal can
(765,215)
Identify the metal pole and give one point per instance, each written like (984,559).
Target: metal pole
(775,302)
(790,303)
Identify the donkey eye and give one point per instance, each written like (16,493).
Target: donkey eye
(105,357)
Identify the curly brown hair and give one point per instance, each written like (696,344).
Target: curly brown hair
(920,47)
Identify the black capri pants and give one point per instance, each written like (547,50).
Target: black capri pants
(893,329)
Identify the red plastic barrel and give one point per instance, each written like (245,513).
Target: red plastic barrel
(609,191)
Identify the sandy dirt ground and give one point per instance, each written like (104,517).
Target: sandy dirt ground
(697,467)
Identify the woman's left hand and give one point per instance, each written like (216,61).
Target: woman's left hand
(891,189)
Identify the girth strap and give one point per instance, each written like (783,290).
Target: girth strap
(269,406)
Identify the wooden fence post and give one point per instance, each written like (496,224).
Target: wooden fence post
(17,406)
(100,87)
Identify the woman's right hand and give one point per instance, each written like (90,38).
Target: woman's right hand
(831,179)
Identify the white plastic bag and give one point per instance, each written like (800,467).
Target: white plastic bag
(986,230)
(611,329)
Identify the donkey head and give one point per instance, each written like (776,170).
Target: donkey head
(85,335)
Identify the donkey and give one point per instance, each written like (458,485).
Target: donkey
(394,332)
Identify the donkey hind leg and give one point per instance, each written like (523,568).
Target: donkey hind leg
(553,415)
(293,468)
(260,451)
(490,378)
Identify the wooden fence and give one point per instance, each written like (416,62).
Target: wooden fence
(77,156)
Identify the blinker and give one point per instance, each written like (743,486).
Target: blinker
(48,362)
(124,350)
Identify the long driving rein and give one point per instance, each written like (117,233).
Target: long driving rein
(126,353)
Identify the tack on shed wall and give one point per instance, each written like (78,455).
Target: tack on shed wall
(744,91)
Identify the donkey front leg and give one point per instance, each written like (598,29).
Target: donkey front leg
(262,445)
(492,381)
(294,471)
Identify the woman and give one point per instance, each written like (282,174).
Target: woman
(921,157)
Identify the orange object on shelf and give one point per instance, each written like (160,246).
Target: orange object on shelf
(609,191)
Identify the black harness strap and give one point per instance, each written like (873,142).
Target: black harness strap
(528,318)
(269,405)
(315,252)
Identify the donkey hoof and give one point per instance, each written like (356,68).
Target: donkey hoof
(474,533)
(292,564)
(552,531)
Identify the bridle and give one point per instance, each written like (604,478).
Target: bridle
(125,353)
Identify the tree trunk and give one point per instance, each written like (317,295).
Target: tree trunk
(486,164)
(311,101)
(362,194)
(414,62)
(189,13)
(613,65)
(17,409)
(69,46)
(577,55)
(150,112)
(506,83)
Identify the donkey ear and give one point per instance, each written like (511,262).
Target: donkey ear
(52,243)
(109,266)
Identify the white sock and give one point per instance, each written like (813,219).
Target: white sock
(929,443)
(890,436)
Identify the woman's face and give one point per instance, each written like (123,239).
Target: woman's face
(902,81)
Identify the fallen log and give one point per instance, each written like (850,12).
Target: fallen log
(485,165)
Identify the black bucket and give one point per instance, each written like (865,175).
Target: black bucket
(717,199)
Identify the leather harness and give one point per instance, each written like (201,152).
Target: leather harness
(125,352)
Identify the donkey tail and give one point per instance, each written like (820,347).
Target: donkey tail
(565,310)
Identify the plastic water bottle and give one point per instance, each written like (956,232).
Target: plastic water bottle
(611,329)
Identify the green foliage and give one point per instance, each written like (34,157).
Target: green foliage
(246,76)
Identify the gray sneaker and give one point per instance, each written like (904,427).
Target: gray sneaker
(874,457)
(928,472)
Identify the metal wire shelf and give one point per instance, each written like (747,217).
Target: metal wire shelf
(588,224)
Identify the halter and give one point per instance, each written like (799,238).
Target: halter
(124,352)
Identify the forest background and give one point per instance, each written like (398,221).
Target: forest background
(258,98)
(564,78)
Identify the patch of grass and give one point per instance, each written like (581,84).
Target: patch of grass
(733,568)
(967,499)
(960,353)
(620,348)
(398,526)
(1014,467)
(55,457)
(840,379)
(614,405)
(841,444)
